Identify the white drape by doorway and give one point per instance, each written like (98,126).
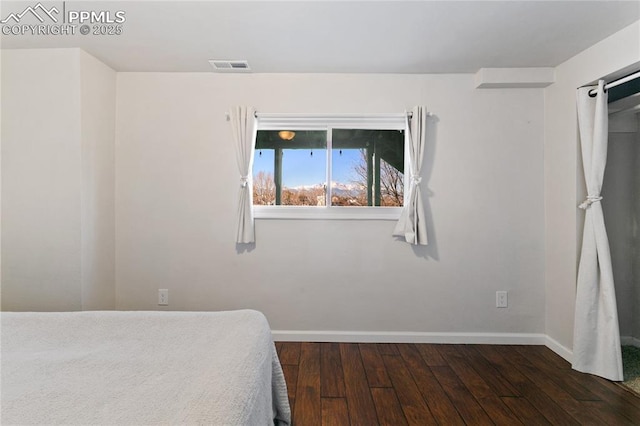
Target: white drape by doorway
(412,225)
(596,338)
(243,127)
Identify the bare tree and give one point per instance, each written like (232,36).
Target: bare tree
(391,185)
(391,182)
(305,196)
(264,189)
(288,197)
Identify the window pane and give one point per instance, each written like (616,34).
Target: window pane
(367,167)
(304,176)
(294,164)
(264,187)
(348,170)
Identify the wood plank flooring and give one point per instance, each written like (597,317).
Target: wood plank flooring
(338,384)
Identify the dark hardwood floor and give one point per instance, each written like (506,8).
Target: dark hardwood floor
(424,384)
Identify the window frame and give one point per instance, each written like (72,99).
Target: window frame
(326,122)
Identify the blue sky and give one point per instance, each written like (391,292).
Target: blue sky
(299,167)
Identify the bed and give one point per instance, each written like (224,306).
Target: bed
(214,368)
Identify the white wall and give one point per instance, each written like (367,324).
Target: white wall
(98,96)
(563,181)
(57,112)
(176,195)
(40,180)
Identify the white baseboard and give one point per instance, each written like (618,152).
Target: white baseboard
(630,341)
(555,346)
(409,337)
(425,337)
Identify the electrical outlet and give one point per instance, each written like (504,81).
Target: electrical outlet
(163,297)
(502,300)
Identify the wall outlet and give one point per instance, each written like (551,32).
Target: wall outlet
(502,300)
(163,297)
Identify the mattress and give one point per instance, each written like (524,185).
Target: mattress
(216,368)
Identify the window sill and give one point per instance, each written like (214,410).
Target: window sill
(327,213)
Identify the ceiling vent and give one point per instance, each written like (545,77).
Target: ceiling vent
(230,66)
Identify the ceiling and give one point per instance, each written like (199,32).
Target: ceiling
(338,36)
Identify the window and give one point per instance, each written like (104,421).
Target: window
(329,167)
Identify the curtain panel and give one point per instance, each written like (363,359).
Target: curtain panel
(596,337)
(412,225)
(244,130)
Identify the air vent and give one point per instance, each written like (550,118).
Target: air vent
(230,66)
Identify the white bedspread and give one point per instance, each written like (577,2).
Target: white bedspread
(139,368)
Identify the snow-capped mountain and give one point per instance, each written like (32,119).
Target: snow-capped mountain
(337,188)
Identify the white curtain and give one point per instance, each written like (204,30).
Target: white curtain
(596,338)
(243,127)
(412,224)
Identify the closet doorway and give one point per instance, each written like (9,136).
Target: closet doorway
(621,192)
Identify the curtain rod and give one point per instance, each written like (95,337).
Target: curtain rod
(257,115)
(617,82)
